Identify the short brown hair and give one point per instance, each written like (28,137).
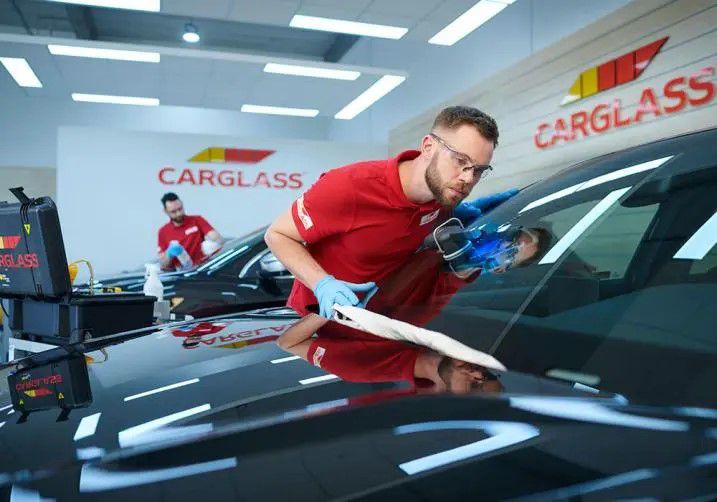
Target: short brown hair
(455,116)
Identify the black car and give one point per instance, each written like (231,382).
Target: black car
(244,275)
(608,333)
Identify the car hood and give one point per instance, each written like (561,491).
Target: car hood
(162,405)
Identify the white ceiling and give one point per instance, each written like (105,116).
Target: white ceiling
(198,82)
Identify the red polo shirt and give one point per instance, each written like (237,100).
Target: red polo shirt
(189,234)
(356,356)
(359,225)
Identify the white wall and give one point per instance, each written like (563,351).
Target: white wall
(109,186)
(436,72)
(28,126)
(530,92)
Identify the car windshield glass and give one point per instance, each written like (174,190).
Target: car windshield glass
(232,249)
(611,281)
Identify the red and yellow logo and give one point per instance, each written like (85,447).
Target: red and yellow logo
(230,176)
(613,73)
(671,96)
(9,241)
(231,155)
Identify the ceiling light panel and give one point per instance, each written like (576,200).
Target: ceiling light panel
(348,27)
(311,71)
(20,70)
(145,5)
(96,53)
(469,21)
(280,110)
(383,86)
(117,100)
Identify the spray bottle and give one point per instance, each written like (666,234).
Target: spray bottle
(153,285)
(185,261)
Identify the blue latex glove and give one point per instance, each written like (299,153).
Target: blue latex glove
(469,211)
(330,290)
(174,250)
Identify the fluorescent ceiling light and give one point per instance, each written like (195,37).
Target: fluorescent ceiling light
(598,180)
(146,5)
(282,360)
(349,27)
(94,478)
(21,72)
(697,246)
(161,389)
(87,426)
(117,100)
(590,412)
(323,378)
(469,21)
(127,436)
(311,71)
(501,435)
(383,86)
(581,226)
(278,110)
(92,52)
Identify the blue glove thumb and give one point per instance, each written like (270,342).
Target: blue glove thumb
(330,291)
(174,249)
(467,211)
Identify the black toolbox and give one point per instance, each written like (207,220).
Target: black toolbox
(34,275)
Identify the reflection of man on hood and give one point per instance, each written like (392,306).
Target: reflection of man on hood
(356,356)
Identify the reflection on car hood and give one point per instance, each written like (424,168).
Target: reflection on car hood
(204,397)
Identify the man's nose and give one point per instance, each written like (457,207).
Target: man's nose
(467,176)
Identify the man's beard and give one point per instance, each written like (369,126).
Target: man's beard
(438,188)
(178,220)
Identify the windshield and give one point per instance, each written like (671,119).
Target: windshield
(615,289)
(232,249)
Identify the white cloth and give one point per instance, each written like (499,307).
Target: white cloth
(392,329)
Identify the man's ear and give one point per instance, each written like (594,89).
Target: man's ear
(427,144)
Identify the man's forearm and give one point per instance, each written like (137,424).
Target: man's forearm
(301,331)
(164,260)
(295,257)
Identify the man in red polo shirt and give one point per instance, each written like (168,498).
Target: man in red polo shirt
(361,222)
(179,242)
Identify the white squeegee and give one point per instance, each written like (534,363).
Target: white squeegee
(392,329)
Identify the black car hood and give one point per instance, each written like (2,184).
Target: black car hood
(242,410)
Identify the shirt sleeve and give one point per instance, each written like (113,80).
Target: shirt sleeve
(326,208)
(203,225)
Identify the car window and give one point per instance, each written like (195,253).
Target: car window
(253,266)
(629,305)
(492,300)
(619,294)
(227,260)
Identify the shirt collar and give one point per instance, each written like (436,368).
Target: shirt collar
(397,197)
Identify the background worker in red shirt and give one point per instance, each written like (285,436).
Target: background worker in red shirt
(362,221)
(185,237)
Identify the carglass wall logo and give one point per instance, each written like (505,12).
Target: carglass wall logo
(618,71)
(228,177)
(674,95)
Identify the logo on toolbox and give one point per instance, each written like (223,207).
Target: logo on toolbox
(9,241)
